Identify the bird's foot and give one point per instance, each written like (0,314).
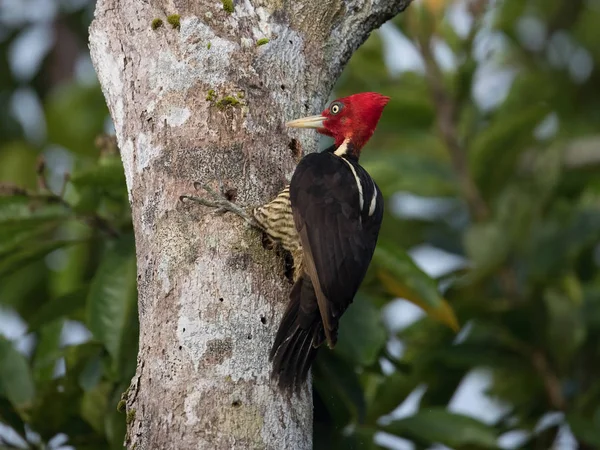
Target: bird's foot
(218,201)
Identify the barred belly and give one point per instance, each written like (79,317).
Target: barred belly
(277,221)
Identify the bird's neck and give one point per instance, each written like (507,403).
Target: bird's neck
(346,149)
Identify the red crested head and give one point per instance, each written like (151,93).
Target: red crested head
(351,120)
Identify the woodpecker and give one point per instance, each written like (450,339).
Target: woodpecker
(328,218)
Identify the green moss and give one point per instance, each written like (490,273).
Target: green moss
(227,6)
(208,45)
(173,19)
(157,23)
(121,405)
(262,41)
(228,101)
(130,416)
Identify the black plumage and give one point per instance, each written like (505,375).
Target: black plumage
(337,211)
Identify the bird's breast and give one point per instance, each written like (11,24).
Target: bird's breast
(277,220)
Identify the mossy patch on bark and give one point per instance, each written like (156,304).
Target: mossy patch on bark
(130,416)
(174,21)
(211,96)
(226,101)
(228,6)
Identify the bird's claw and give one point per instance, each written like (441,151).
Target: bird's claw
(219,202)
(216,201)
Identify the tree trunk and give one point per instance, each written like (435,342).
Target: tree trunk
(199,100)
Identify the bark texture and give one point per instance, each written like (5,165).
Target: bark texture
(199,100)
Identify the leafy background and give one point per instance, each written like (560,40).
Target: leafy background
(479,322)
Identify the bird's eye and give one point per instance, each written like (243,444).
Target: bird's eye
(335,108)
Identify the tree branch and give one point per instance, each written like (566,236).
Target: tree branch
(447,111)
(551,381)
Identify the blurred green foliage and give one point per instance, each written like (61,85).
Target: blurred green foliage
(519,189)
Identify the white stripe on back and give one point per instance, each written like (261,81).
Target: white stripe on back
(373,201)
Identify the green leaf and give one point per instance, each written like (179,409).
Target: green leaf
(339,387)
(16,382)
(420,175)
(560,240)
(66,306)
(47,351)
(17,213)
(390,393)
(17,161)
(12,240)
(97,184)
(401,277)
(108,175)
(33,252)
(83,363)
(112,296)
(57,408)
(360,438)
(565,328)
(83,108)
(495,151)
(94,406)
(587,33)
(439,425)
(487,247)
(361,333)
(9,416)
(85,200)
(92,373)
(114,422)
(585,429)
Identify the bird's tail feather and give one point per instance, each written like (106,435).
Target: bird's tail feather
(300,333)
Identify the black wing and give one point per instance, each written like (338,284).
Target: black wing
(338,232)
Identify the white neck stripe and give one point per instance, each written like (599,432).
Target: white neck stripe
(358,184)
(342,149)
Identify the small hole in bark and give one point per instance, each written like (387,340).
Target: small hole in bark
(180,347)
(184,330)
(295,147)
(249,336)
(231,194)
(283,87)
(221,299)
(290,41)
(263,319)
(236,404)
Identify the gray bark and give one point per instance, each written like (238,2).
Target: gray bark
(210,297)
